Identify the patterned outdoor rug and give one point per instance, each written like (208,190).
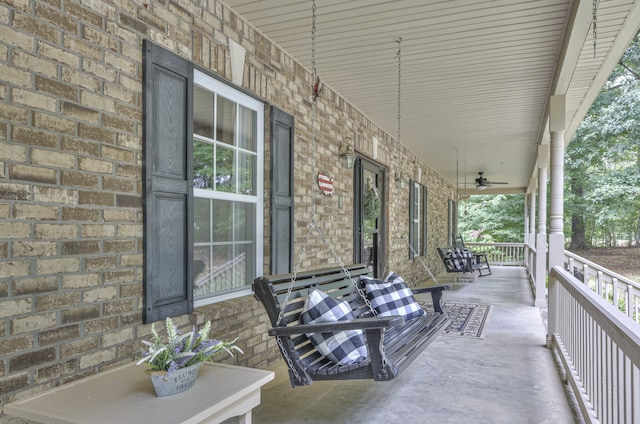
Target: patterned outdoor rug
(467,319)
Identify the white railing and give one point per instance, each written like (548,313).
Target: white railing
(500,253)
(616,289)
(599,348)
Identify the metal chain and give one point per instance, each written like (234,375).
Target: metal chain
(312,224)
(296,267)
(314,76)
(292,367)
(595,26)
(399,55)
(424,264)
(313,42)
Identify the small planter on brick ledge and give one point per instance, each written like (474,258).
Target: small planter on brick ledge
(174,365)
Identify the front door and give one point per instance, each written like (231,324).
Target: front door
(369,215)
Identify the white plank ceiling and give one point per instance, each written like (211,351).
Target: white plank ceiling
(476,75)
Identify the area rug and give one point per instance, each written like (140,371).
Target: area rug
(467,319)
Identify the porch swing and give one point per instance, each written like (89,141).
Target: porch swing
(339,323)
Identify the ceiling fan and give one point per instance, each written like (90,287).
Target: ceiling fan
(482,183)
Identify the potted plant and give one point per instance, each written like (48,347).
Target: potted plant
(174,365)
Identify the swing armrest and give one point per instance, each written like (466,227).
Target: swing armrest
(431,289)
(436,295)
(335,327)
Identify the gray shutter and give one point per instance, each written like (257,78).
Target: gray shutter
(424,221)
(282,139)
(168,198)
(412,214)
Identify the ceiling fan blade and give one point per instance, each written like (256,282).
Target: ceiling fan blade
(495,182)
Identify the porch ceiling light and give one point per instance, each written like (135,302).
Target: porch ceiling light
(481,187)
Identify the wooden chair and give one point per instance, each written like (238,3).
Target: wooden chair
(392,344)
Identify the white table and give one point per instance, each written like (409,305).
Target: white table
(125,395)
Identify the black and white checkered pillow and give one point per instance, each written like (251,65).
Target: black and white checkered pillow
(465,253)
(345,347)
(392,297)
(454,261)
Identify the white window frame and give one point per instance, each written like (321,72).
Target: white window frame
(222,89)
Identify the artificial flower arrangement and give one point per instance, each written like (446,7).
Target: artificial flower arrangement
(182,350)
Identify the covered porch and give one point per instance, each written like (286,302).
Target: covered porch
(508,376)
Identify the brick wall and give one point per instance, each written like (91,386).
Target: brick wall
(71,179)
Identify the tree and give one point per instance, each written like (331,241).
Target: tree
(492,218)
(602,162)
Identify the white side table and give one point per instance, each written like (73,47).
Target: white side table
(125,395)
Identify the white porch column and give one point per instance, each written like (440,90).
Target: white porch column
(556,224)
(526,221)
(541,239)
(532,229)
(532,216)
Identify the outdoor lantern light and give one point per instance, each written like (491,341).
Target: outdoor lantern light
(348,156)
(401,180)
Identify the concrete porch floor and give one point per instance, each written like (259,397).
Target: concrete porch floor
(507,377)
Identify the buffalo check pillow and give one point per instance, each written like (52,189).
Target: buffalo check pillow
(345,347)
(392,297)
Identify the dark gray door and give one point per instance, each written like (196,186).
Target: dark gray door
(369,215)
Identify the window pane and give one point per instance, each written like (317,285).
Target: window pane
(224,169)
(201,220)
(226,122)
(202,269)
(202,164)
(222,219)
(227,154)
(202,112)
(244,225)
(246,265)
(247,129)
(246,171)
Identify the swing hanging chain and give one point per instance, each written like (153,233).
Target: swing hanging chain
(424,264)
(290,364)
(313,225)
(313,43)
(595,26)
(399,55)
(296,267)
(314,77)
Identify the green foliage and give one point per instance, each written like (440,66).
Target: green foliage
(602,162)
(492,218)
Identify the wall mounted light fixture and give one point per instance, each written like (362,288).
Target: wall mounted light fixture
(401,180)
(348,155)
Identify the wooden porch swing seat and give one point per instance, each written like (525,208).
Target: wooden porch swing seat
(392,344)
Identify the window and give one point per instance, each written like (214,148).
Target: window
(417,219)
(227,188)
(203,185)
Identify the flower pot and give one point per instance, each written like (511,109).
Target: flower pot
(179,380)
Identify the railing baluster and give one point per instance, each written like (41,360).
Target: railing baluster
(599,348)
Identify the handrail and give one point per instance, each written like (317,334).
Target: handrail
(599,349)
(500,253)
(617,289)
